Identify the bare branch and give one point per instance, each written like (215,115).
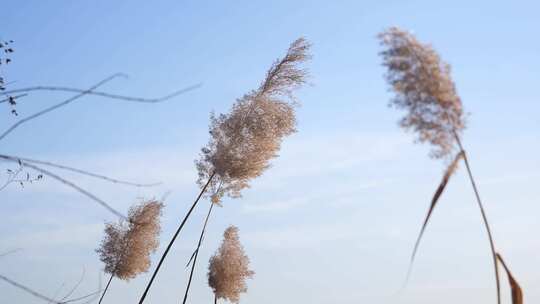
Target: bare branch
(83,172)
(42,296)
(56,106)
(103,94)
(75,286)
(3,254)
(29,290)
(12,97)
(70,184)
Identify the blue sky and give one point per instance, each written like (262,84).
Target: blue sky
(334,219)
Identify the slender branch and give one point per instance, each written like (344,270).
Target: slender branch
(10,252)
(12,97)
(58,105)
(29,290)
(58,291)
(484,217)
(174,238)
(106,288)
(75,286)
(12,178)
(82,297)
(70,184)
(197,253)
(83,172)
(103,94)
(41,296)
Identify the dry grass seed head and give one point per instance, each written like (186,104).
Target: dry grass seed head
(229,268)
(243,141)
(127,245)
(424,88)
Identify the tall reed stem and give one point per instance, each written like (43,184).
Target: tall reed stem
(197,253)
(484,217)
(174,238)
(106,287)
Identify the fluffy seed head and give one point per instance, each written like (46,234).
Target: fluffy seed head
(127,245)
(243,141)
(229,268)
(424,88)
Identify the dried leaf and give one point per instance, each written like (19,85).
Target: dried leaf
(517,293)
(449,171)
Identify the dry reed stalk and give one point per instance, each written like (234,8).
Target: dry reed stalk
(425,89)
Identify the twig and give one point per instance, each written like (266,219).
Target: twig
(12,97)
(75,286)
(56,106)
(103,94)
(72,185)
(29,290)
(83,172)
(3,254)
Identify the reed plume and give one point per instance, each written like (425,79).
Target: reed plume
(424,88)
(127,245)
(228,268)
(243,141)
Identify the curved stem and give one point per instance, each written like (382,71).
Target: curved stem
(106,287)
(174,238)
(197,252)
(484,217)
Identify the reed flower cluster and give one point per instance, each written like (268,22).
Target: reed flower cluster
(127,245)
(229,268)
(244,141)
(424,88)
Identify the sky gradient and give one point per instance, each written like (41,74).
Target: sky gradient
(335,217)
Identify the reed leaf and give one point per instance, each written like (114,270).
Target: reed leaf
(517,293)
(449,171)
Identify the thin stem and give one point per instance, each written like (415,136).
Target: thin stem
(174,238)
(484,217)
(215,299)
(197,252)
(106,287)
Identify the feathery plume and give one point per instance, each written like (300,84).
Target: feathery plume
(127,245)
(424,88)
(229,268)
(244,141)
